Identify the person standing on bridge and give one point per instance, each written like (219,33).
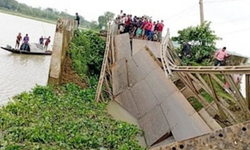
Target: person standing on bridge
(160,27)
(121,14)
(220,57)
(77,19)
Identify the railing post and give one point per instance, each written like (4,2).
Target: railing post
(165,61)
(247,82)
(104,65)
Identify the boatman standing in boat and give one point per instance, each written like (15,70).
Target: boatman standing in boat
(26,39)
(41,40)
(18,39)
(25,45)
(47,43)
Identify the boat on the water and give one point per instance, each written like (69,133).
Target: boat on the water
(34,49)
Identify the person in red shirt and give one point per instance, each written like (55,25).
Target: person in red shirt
(148,28)
(159,30)
(18,39)
(47,43)
(128,20)
(144,23)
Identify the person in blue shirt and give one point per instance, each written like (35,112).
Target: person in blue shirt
(25,46)
(41,40)
(26,39)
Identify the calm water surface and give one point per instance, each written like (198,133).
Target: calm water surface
(20,73)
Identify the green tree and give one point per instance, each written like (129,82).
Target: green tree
(104,19)
(86,50)
(93,25)
(8,4)
(202,40)
(101,21)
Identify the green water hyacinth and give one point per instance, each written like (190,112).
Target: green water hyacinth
(66,119)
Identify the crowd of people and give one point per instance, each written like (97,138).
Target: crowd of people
(25,42)
(139,27)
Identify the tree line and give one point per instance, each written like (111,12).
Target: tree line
(53,14)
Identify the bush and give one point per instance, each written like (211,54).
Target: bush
(86,50)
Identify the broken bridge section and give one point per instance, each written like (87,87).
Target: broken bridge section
(141,87)
(231,138)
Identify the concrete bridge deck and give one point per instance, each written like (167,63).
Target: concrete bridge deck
(140,86)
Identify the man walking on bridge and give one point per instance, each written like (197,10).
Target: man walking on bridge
(220,57)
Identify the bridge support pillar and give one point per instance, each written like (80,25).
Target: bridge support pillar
(64,32)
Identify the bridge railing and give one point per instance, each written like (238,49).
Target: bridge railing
(229,103)
(105,81)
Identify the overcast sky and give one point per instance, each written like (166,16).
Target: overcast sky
(230,18)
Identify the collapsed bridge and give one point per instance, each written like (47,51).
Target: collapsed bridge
(143,77)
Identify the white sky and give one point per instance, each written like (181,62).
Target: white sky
(230,18)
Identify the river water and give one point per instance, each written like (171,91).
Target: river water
(18,72)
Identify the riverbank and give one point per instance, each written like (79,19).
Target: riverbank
(34,18)
(25,16)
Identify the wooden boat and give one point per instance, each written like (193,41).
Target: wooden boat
(35,49)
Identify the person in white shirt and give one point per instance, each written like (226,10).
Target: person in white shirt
(121,14)
(121,25)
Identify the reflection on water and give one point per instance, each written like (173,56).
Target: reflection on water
(24,59)
(21,72)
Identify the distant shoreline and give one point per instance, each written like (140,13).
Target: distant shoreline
(33,18)
(25,16)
